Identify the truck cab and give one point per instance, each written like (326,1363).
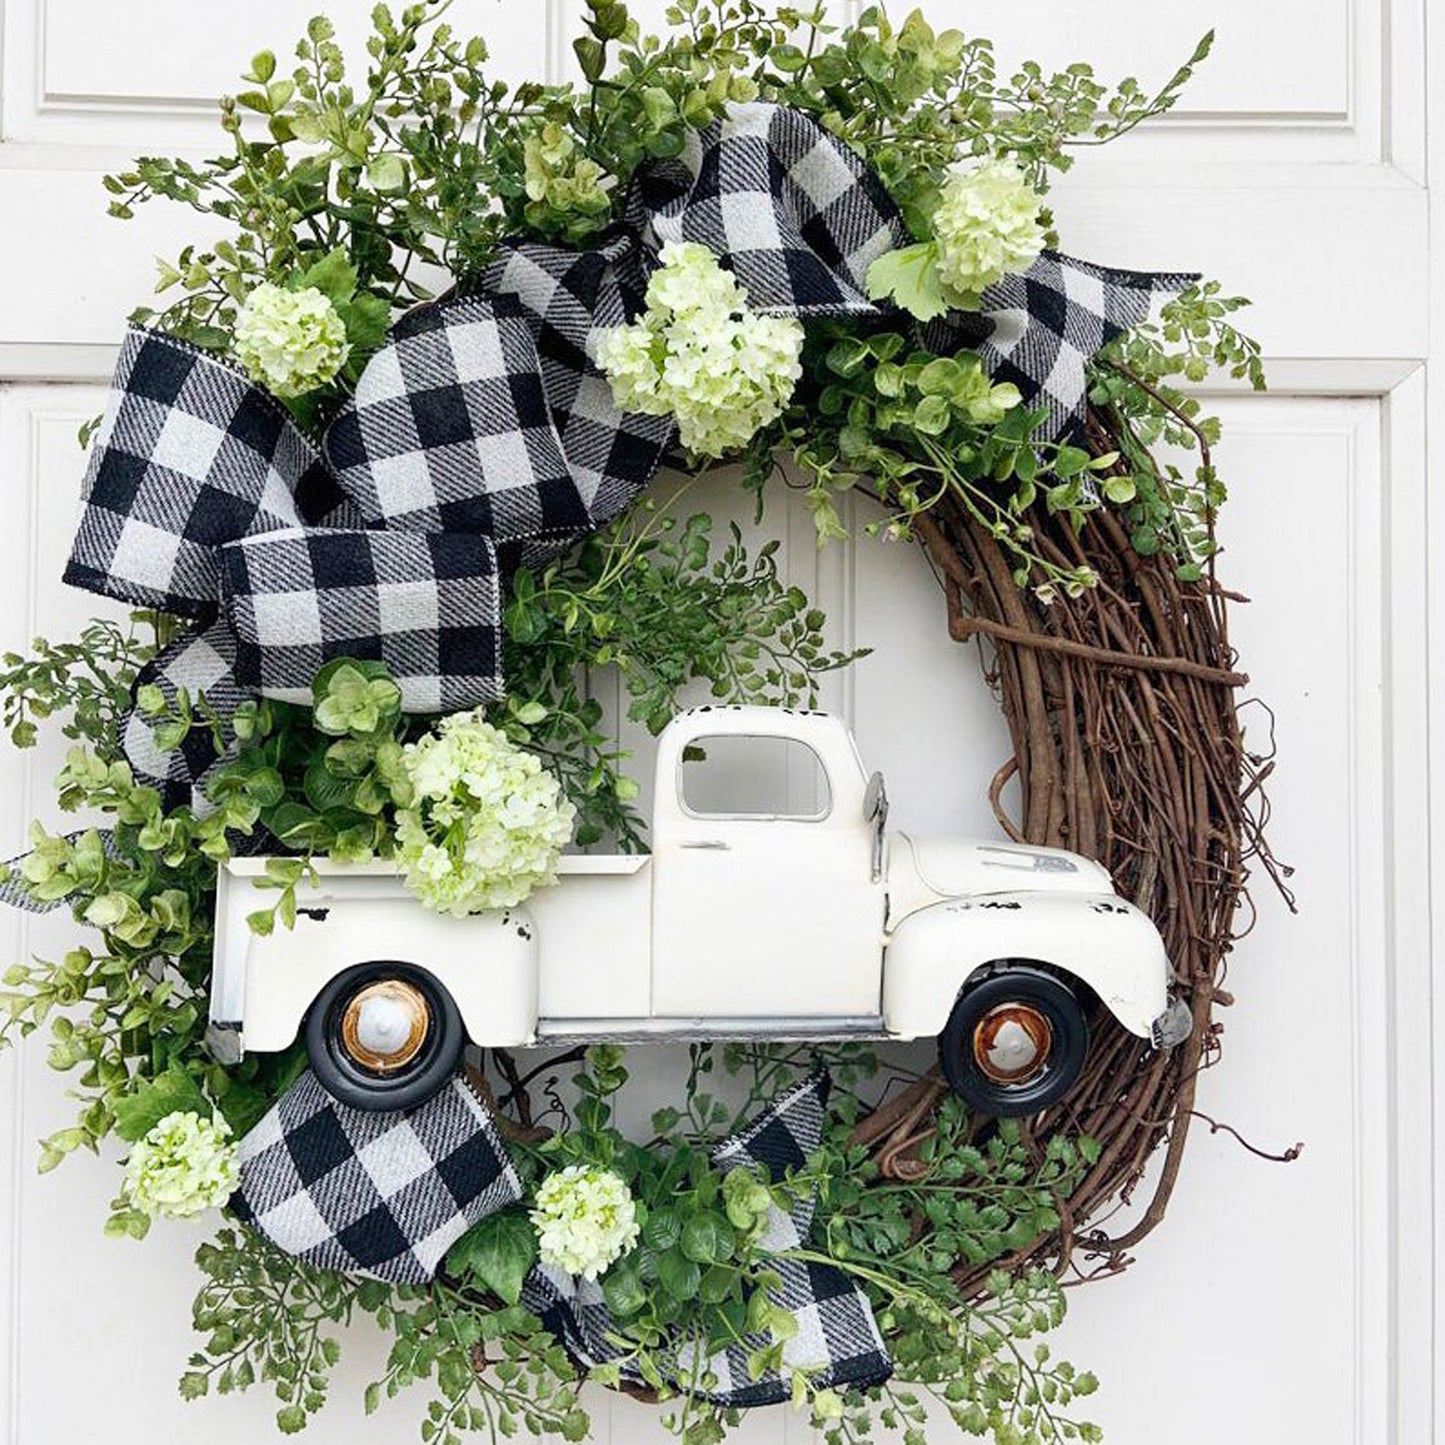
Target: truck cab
(774,904)
(768,901)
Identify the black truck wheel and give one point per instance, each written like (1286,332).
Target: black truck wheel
(1015,1042)
(384,1036)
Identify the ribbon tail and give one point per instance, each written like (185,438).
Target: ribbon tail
(1049,322)
(202,665)
(838,1341)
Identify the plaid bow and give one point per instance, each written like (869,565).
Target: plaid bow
(481,437)
(382,1194)
(203,499)
(837,1343)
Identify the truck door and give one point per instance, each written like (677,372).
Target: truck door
(764,905)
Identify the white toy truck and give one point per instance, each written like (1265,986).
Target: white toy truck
(773,906)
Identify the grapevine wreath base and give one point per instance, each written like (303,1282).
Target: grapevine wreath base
(347,506)
(1122,709)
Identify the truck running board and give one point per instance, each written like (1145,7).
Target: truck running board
(658,1030)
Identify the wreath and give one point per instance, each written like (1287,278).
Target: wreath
(378,479)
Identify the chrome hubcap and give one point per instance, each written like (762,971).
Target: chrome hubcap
(385,1025)
(1011,1043)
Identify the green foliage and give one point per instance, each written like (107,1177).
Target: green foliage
(1137,381)
(914,100)
(140,1111)
(981,1200)
(86,683)
(121,1013)
(269,1317)
(648,598)
(492,1371)
(322,789)
(910,278)
(915,428)
(496,1254)
(976,1364)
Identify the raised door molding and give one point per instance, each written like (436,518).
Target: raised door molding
(1292,81)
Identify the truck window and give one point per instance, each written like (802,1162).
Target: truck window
(731,776)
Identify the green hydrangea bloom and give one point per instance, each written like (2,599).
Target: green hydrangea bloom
(566,194)
(290,341)
(487,821)
(701,355)
(353,703)
(585,1220)
(184,1165)
(986,226)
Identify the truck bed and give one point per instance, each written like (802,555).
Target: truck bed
(593,927)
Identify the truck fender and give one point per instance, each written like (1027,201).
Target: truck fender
(487,963)
(1097,938)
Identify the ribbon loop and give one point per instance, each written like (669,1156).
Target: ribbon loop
(449,430)
(799,216)
(570,299)
(190,455)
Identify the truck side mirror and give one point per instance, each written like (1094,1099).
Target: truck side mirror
(875,801)
(875,811)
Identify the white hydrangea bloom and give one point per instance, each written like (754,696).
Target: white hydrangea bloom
(700,355)
(986,225)
(184,1165)
(290,341)
(487,822)
(585,1220)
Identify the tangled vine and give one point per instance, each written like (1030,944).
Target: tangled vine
(1123,709)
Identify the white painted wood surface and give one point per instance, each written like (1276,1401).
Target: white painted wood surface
(1275,1303)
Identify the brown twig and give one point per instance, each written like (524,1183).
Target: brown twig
(968,627)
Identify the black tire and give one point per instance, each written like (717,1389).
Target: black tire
(349,1081)
(1040,994)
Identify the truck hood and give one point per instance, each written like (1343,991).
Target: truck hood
(953,867)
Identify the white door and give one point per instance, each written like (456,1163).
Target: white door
(1276,1302)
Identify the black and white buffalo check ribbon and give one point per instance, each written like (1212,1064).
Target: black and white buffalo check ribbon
(481,436)
(1039,329)
(837,1344)
(795,214)
(799,217)
(381,1194)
